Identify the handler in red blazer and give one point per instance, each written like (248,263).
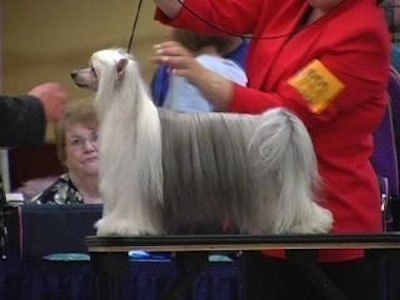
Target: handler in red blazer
(328,61)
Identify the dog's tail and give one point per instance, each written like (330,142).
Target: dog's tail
(286,154)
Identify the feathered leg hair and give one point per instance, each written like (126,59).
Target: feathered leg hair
(130,148)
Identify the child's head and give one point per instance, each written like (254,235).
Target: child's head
(195,41)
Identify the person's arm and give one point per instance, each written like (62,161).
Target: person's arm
(53,97)
(361,80)
(215,88)
(170,8)
(240,17)
(185,97)
(22,121)
(23,118)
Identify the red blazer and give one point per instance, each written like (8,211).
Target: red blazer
(352,45)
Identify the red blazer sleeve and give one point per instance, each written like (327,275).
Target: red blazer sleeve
(221,14)
(359,56)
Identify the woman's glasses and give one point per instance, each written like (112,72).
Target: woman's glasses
(80,142)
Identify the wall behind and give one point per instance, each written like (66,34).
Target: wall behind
(44,40)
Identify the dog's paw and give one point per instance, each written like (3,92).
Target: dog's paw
(123,228)
(321,221)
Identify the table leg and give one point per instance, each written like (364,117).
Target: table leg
(305,260)
(110,268)
(190,265)
(388,270)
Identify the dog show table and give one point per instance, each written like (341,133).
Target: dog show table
(109,255)
(77,280)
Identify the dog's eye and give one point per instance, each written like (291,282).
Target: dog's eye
(93,71)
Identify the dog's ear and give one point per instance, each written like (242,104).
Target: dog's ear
(121,67)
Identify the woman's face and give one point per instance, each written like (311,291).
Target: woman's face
(81,149)
(324,5)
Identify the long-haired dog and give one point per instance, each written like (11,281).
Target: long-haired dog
(164,172)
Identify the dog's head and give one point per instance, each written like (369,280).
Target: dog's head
(109,60)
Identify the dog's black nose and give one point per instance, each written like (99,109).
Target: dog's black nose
(74,74)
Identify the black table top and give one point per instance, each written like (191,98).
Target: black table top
(185,243)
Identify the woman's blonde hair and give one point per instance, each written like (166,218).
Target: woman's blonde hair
(78,111)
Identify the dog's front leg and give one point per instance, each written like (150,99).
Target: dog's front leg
(128,214)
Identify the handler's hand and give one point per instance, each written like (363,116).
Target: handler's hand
(215,88)
(179,59)
(53,97)
(169,7)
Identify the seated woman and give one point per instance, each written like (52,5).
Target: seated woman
(77,149)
